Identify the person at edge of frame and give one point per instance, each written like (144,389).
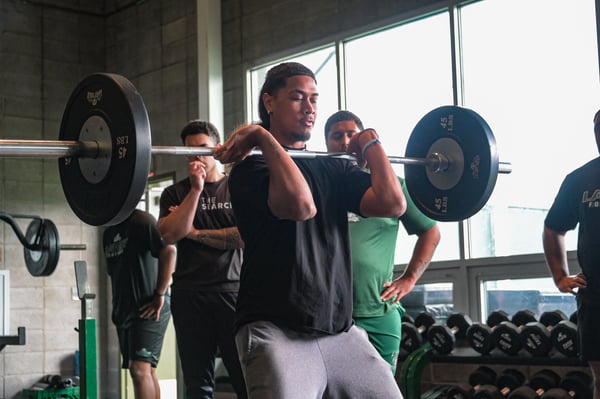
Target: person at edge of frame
(577,204)
(140,265)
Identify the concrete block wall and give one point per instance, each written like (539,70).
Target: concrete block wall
(45,50)
(153,44)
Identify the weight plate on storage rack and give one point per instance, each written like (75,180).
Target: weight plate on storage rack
(42,260)
(105,188)
(465,138)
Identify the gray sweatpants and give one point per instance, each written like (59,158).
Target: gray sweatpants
(284,364)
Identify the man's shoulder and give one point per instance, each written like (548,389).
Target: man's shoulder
(140,217)
(590,168)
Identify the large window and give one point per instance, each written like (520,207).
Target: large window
(536,83)
(530,68)
(393,78)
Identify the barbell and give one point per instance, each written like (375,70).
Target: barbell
(104,151)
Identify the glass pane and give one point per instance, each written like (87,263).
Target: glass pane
(392,81)
(537,87)
(447,249)
(322,63)
(434,298)
(536,294)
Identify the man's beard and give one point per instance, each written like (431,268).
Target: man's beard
(301,136)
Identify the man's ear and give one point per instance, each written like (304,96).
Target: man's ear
(267,100)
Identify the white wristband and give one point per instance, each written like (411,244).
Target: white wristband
(368,144)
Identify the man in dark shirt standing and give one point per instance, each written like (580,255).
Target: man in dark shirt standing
(141,309)
(196,214)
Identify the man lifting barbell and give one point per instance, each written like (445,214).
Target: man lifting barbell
(295,300)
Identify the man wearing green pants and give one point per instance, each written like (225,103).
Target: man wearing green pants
(376,301)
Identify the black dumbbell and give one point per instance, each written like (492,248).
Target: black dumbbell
(507,381)
(408,318)
(479,335)
(443,337)
(574,385)
(537,385)
(57,381)
(564,338)
(536,334)
(506,335)
(481,376)
(414,333)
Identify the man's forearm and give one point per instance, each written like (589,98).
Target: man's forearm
(178,222)
(423,253)
(166,267)
(225,238)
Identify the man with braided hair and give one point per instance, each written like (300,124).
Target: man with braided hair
(295,333)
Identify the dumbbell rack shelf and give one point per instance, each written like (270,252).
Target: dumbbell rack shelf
(414,363)
(465,354)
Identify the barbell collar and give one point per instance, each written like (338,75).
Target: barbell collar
(504,167)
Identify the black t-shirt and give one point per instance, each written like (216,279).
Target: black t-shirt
(297,274)
(131,249)
(199,266)
(578,202)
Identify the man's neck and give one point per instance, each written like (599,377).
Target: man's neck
(288,142)
(214,175)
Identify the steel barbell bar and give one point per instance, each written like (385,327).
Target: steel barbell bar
(436,162)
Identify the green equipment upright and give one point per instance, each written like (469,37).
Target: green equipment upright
(87,335)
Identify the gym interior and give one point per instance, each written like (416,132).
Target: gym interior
(529,67)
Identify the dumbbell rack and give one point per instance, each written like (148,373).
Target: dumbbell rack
(414,363)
